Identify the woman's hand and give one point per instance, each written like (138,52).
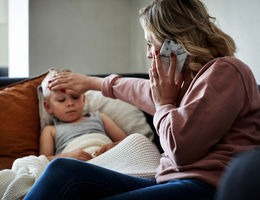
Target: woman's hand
(74,82)
(164,88)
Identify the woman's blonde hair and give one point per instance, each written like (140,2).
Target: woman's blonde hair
(188,22)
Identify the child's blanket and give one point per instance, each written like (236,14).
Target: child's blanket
(16,182)
(90,143)
(135,155)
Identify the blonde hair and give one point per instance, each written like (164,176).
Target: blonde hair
(188,22)
(45,82)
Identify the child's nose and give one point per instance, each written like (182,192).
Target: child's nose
(70,102)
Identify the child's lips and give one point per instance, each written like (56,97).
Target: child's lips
(71,111)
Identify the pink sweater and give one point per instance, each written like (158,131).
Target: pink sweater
(218,116)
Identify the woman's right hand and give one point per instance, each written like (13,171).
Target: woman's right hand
(74,82)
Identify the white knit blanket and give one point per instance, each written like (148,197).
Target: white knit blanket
(16,182)
(135,155)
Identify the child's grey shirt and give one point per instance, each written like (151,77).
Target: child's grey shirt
(66,132)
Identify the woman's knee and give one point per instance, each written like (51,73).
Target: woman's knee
(241,177)
(246,161)
(60,164)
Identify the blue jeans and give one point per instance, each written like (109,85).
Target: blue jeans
(66,178)
(241,179)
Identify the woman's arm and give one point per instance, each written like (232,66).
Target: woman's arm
(135,91)
(206,114)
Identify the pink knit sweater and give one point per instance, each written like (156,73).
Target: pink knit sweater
(217,117)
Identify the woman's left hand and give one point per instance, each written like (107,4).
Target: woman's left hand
(165,89)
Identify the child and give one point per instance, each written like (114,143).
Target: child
(69,123)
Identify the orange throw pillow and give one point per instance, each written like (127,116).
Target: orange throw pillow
(19,121)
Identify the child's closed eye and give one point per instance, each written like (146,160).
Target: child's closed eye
(75,97)
(61,100)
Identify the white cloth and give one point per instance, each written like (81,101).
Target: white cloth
(135,155)
(90,143)
(16,182)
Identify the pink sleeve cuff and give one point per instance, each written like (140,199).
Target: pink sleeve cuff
(160,114)
(107,85)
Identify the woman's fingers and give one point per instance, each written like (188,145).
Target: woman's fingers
(158,65)
(58,82)
(69,81)
(172,69)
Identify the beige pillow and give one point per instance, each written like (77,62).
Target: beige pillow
(127,117)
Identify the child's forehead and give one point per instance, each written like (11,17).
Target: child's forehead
(56,93)
(60,93)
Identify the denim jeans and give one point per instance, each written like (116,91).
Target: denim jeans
(66,178)
(241,179)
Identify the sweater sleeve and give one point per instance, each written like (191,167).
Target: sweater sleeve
(135,91)
(206,113)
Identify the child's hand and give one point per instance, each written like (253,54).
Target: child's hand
(106,147)
(79,154)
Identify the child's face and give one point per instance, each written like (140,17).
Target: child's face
(66,107)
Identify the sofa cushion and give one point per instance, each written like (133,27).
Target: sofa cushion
(20,125)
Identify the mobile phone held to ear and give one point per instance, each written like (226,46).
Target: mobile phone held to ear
(169,46)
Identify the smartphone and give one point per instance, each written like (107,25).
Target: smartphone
(169,46)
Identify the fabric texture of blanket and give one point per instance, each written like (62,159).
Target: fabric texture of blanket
(16,182)
(90,143)
(135,155)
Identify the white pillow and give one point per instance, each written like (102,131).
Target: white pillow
(127,117)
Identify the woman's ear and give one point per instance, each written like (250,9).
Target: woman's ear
(47,107)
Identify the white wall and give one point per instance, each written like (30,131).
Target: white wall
(241,20)
(86,36)
(3,33)
(139,62)
(104,36)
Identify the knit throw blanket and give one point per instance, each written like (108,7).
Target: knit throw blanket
(16,182)
(135,155)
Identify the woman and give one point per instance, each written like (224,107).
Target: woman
(210,113)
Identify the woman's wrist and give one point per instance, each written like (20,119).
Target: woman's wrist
(94,83)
